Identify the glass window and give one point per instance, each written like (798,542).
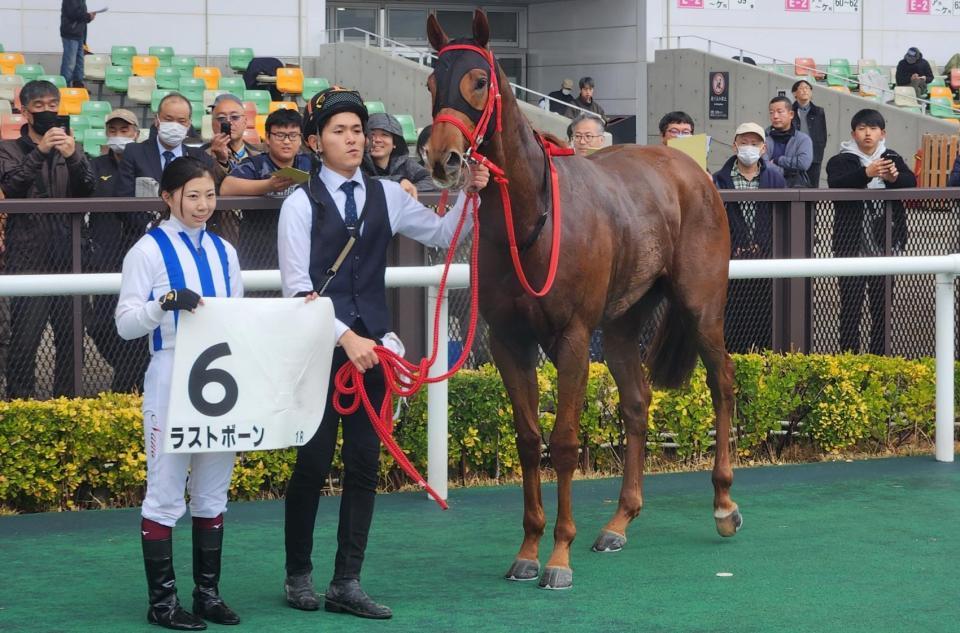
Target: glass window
(407,24)
(513,67)
(456,23)
(504,26)
(365,19)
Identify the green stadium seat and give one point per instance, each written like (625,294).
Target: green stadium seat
(93,140)
(375,107)
(56,80)
(122,55)
(29,72)
(313,85)
(156,96)
(168,78)
(233,85)
(196,118)
(1,49)
(192,88)
(261,98)
(96,112)
(409,127)
(942,108)
(240,58)
(79,124)
(838,76)
(184,64)
(116,78)
(163,53)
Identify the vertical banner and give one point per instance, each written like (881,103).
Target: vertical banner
(797,5)
(718,87)
(918,7)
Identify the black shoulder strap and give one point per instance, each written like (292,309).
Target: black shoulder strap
(354,231)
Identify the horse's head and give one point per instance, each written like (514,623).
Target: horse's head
(465,90)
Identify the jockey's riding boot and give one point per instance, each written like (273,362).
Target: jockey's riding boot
(165,608)
(346,596)
(207,603)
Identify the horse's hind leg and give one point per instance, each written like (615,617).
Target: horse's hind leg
(517,362)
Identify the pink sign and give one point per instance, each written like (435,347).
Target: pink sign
(797,5)
(918,6)
(689,4)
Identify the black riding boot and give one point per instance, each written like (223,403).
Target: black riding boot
(165,608)
(207,603)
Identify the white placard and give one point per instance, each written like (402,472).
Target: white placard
(718,4)
(821,6)
(249,374)
(846,6)
(743,5)
(945,7)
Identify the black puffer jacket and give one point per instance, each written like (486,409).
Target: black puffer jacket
(401,165)
(73,19)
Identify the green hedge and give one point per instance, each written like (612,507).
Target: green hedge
(89,452)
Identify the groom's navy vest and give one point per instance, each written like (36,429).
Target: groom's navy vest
(357,291)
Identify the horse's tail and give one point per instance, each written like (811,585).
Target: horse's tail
(673,353)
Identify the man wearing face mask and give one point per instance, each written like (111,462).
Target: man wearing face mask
(147,159)
(747,321)
(43,163)
(111,234)
(564,95)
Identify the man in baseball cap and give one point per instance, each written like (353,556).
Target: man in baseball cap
(913,70)
(343,221)
(565,94)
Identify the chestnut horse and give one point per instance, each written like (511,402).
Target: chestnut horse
(640,225)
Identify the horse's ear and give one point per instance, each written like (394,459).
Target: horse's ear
(481,28)
(438,39)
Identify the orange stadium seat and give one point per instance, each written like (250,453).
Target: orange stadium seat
(806,67)
(72,99)
(283,105)
(145,65)
(290,81)
(10,125)
(9,62)
(209,74)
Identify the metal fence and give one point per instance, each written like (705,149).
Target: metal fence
(68,345)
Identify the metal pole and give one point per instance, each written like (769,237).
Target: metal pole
(437,399)
(944,364)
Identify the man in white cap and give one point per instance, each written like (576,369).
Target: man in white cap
(565,94)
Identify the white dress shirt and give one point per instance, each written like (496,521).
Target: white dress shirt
(144,272)
(177,151)
(407,217)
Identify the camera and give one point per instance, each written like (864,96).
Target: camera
(225,128)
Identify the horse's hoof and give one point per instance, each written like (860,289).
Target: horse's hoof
(523,569)
(609,542)
(729,523)
(556,578)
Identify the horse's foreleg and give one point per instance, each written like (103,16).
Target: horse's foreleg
(623,358)
(518,368)
(572,368)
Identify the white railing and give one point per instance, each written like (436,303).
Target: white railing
(396,277)
(424,57)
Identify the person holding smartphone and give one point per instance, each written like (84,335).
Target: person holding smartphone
(44,162)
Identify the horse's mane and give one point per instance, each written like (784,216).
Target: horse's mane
(553,138)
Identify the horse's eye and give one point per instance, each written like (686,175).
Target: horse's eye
(481,83)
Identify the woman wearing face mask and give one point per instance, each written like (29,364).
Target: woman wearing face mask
(165,272)
(747,322)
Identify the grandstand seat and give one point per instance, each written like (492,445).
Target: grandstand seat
(210,74)
(94,140)
(9,84)
(290,81)
(206,128)
(184,65)
(72,100)
(866,64)
(5,107)
(933,67)
(260,98)
(9,62)
(157,95)
(260,125)
(196,115)
(163,54)
(940,91)
(905,96)
(282,105)
(806,67)
(840,61)
(140,90)
(10,125)
(209,96)
(409,127)
(942,108)
(375,107)
(233,85)
(838,76)
(313,85)
(1,48)
(873,84)
(95,70)
(116,79)
(844,89)
(250,135)
(96,112)
(79,124)
(240,58)
(168,78)
(122,55)
(144,134)
(250,109)
(145,65)
(29,72)
(192,88)
(56,80)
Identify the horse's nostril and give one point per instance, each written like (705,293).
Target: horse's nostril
(453,160)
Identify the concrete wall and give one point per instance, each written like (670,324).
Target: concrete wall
(401,84)
(678,80)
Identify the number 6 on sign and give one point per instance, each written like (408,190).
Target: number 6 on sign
(249,374)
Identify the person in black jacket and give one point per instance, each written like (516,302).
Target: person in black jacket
(747,323)
(564,95)
(810,119)
(110,235)
(859,227)
(74,18)
(913,70)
